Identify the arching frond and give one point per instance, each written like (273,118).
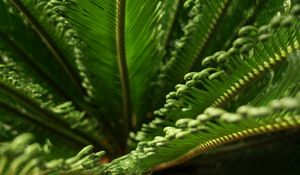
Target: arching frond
(92,72)
(32,102)
(22,157)
(215,127)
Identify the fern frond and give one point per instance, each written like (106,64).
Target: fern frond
(202,39)
(268,124)
(98,20)
(14,43)
(275,153)
(62,37)
(80,72)
(239,69)
(22,157)
(20,95)
(196,32)
(238,14)
(142,54)
(50,36)
(184,102)
(191,137)
(270,48)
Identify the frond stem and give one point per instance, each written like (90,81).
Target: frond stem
(121,56)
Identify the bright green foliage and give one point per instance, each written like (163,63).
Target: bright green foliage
(23,157)
(77,73)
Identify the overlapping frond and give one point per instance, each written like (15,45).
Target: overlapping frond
(99,26)
(52,50)
(262,65)
(211,27)
(251,55)
(52,35)
(143,52)
(30,55)
(215,127)
(203,17)
(22,157)
(226,75)
(227,30)
(90,71)
(32,102)
(95,23)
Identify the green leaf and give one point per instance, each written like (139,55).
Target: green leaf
(215,127)
(98,20)
(95,22)
(143,53)
(55,36)
(213,87)
(21,157)
(240,72)
(203,18)
(50,35)
(238,14)
(30,101)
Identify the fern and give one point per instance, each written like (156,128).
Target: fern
(84,74)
